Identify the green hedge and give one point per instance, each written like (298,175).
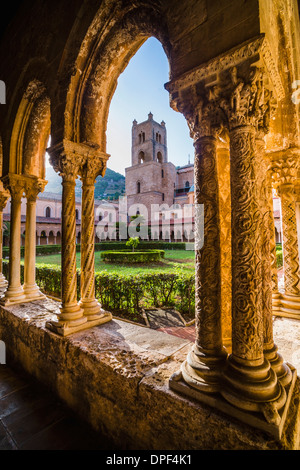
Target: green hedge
(126,294)
(52,249)
(279,256)
(132,257)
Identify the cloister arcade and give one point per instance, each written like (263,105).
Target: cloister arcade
(235,93)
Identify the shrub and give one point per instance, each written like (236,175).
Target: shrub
(126,294)
(133,242)
(279,256)
(132,257)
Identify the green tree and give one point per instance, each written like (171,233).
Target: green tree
(133,242)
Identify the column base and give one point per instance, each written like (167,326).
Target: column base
(67,327)
(253,387)
(280,367)
(13,295)
(257,420)
(289,306)
(203,372)
(92,309)
(33,293)
(3,281)
(276,296)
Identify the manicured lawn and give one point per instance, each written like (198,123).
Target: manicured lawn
(175,260)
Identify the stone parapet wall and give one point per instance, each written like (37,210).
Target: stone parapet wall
(116,377)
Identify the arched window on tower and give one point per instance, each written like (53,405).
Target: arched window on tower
(159,157)
(138,187)
(187,185)
(141,157)
(48,212)
(77,214)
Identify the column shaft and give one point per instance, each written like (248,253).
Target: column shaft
(71,317)
(30,288)
(249,380)
(3,281)
(290,240)
(225,240)
(268,246)
(88,302)
(203,367)
(14,293)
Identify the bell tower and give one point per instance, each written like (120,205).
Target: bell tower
(150,179)
(149,142)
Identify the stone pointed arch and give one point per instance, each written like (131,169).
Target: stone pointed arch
(112,39)
(30,132)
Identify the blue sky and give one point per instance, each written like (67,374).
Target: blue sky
(141,90)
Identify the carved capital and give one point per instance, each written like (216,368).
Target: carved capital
(34,186)
(234,89)
(285,167)
(15,185)
(71,159)
(93,166)
(247,102)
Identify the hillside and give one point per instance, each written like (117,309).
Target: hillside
(111,186)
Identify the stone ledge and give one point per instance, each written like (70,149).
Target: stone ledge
(116,377)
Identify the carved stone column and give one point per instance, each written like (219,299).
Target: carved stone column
(223,158)
(4,196)
(285,165)
(268,247)
(253,385)
(203,366)
(33,186)
(71,318)
(14,294)
(274,276)
(250,382)
(94,165)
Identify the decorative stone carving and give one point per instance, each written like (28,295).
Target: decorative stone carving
(254,377)
(285,167)
(93,166)
(202,369)
(66,161)
(71,159)
(223,158)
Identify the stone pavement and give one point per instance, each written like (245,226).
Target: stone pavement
(169,321)
(32,418)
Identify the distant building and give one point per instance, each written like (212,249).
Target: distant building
(152,181)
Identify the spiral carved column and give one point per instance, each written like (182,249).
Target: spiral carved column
(71,318)
(91,307)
